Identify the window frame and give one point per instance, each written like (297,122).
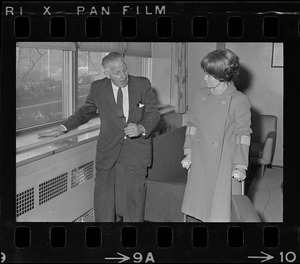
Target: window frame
(67,76)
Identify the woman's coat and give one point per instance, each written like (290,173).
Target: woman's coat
(218,136)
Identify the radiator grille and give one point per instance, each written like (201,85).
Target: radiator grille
(52,188)
(82,174)
(86,217)
(25,201)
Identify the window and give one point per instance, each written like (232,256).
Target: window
(89,70)
(47,90)
(39,86)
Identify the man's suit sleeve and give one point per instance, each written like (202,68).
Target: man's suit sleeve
(84,113)
(151,115)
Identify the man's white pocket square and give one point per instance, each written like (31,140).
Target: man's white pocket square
(141,105)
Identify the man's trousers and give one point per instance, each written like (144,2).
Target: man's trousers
(128,186)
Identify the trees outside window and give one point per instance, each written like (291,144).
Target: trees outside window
(46,83)
(38,86)
(89,70)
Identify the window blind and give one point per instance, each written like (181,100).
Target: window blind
(48,45)
(140,49)
(102,46)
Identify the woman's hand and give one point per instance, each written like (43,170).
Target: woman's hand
(187,161)
(239,174)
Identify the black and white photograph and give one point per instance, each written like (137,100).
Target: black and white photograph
(199,137)
(149,132)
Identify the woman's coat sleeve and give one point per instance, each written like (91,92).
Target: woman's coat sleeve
(242,131)
(191,127)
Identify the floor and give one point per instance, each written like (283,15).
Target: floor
(266,193)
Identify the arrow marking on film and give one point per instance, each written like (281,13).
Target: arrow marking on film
(122,258)
(266,256)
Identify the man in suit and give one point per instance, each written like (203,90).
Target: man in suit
(127,107)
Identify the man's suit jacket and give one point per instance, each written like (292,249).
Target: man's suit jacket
(142,110)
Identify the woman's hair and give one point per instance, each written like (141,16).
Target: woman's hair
(112,56)
(222,64)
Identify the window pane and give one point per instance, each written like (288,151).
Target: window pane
(39,78)
(89,70)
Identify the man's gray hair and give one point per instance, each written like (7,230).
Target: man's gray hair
(112,56)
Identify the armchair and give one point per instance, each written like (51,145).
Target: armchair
(263,140)
(167,179)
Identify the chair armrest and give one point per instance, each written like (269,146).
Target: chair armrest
(242,210)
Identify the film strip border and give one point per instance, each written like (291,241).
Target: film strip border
(149,242)
(161,22)
(164,25)
(165,243)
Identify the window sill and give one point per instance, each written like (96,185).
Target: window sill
(165,109)
(29,147)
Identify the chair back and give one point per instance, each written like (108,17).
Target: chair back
(261,126)
(167,156)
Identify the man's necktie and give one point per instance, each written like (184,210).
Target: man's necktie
(120,112)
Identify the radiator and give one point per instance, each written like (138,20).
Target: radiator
(57,188)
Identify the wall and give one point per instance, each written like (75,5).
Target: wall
(160,71)
(262,83)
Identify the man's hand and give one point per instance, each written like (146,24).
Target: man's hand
(133,130)
(55,132)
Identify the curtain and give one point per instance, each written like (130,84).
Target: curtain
(48,45)
(180,76)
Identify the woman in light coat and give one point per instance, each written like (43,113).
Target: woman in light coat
(217,140)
